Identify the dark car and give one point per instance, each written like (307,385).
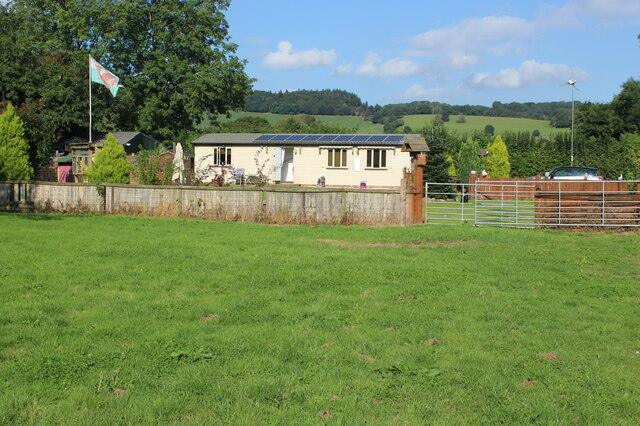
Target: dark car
(574,173)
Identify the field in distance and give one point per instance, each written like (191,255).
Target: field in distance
(416,122)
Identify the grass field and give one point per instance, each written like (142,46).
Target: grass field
(114,320)
(416,122)
(500,124)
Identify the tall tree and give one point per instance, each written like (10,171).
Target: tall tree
(110,164)
(626,106)
(497,161)
(174,58)
(14,150)
(468,160)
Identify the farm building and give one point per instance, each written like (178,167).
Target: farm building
(307,160)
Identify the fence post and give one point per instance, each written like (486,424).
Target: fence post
(603,204)
(473,178)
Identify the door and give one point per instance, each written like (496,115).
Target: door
(287,165)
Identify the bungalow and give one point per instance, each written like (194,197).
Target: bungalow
(307,159)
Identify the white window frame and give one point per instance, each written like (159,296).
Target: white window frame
(337,155)
(222,153)
(376,158)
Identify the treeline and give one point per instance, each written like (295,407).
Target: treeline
(340,102)
(321,102)
(298,124)
(606,136)
(558,113)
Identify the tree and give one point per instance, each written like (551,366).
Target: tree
(468,159)
(245,125)
(497,161)
(149,169)
(308,124)
(14,149)
(489,130)
(461,119)
(626,106)
(174,58)
(437,168)
(110,165)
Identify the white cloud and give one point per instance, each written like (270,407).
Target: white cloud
(341,70)
(437,94)
(288,58)
(472,34)
(530,73)
(603,9)
(374,66)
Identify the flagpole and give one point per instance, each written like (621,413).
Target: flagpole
(90,139)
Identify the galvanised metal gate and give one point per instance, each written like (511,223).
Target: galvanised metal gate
(534,203)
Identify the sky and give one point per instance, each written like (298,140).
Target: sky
(459,52)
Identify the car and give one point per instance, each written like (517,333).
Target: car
(574,173)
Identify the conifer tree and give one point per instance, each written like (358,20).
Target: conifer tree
(468,159)
(14,149)
(497,162)
(110,165)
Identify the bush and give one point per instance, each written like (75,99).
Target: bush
(497,162)
(149,170)
(110,165)
(468,160)
(14,149)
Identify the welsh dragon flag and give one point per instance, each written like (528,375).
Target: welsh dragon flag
(99,74)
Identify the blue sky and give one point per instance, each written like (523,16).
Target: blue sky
(458,52)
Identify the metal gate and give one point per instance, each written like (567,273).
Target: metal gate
(534,203)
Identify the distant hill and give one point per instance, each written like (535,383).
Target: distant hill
(340,102)
(416,122)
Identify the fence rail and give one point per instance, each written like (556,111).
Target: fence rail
(534,203)
(270,205)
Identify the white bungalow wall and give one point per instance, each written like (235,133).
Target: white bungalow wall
(310,163)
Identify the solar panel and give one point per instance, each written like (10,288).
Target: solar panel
(280,137)
(265,138)
(360,138)
(377,138)
(394,138)
(343,138)
(295,138)
(311,137)
(327,138)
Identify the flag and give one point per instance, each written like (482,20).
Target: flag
(99,74)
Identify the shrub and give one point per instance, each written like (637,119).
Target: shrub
(14,149)
(497,161)
(110,165)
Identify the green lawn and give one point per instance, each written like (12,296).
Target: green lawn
(116,320)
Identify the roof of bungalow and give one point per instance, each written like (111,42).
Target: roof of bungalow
(261,139)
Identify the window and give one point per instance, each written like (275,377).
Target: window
(337,158)
(376,158)
(221,156)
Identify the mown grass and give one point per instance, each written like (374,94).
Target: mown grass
(108,319)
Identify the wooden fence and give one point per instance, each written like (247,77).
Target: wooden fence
(297,205)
